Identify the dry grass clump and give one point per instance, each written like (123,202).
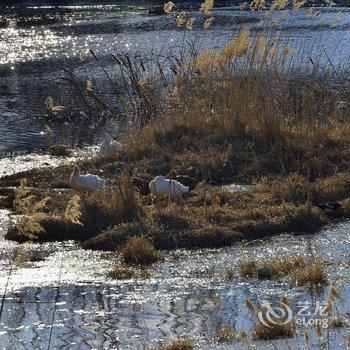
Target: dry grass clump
(301,272)
(337,322)
(291,188)
(23,256)
(181,344)
(27,200)
(114,237)
(44,228)
(274,219)
(125,273)
(109,206)
(7,197)
(333,188)
(211,217)
(276,331)
(83,217)
(139,251)
(269,326)
(225,334)
(121,273)
(59,150)
(285,265)
(296,189)
(248,268)
(312,274)
(229,275)
(73,211)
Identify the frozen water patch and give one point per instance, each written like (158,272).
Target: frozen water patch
(14,165)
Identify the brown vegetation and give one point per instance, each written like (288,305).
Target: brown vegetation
(276,331)
(312,274)
(139,251)
(22,256)
(181,344)
(225,334)
(125,272)
(238,114)
(269,327)
(301,272)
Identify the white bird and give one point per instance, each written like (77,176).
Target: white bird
(109,146)
(85,183)
(161,187)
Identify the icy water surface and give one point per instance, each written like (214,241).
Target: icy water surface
(21,163)
(36,41)
(66,300)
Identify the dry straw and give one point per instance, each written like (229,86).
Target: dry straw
(168,7)
(207,6)
(208,22)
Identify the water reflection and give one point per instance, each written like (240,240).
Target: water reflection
(37,41)
(67,301)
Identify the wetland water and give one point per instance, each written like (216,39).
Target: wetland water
(36,41)
(65,301)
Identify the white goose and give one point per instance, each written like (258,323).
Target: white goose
(85,183)
(161,187)
(109,146)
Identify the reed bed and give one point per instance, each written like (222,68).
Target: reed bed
(254,110)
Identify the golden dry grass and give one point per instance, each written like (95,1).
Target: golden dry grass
(126,272)
(248,268)
(211,217)
(22,256)
(299,271)
(181,344)
(277,331)
(225,334)
(312,274)
(273,327)
(139,251)
(235,114)
(121,273)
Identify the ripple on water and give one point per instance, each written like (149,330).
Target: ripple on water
(186,294)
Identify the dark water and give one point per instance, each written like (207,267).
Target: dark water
(36,41)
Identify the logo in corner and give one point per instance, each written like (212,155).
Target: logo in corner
(279,314)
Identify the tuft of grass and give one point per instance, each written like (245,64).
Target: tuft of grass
(225,334)
(23,256)
(122,273)
(248,268)
(109,206)
(73,211)
(312,274)
(127,272)
(301,272)
(337,321)
(59,150)
(139,251)
(271,268)
(229,275)
(181,344)
(276,331)
(44,228)
(274,327)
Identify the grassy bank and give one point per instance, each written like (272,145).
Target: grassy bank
(246,113)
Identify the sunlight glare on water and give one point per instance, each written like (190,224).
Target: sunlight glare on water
(37,41)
